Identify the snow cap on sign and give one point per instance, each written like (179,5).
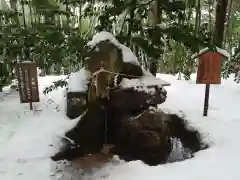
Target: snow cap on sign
(219,50)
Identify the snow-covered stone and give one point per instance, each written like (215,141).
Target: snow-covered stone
(128,55)
(78,81)
(144,83)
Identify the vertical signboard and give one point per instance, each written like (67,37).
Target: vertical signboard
(209,70)
(28,82)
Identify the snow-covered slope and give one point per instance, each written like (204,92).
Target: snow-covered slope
(26,137)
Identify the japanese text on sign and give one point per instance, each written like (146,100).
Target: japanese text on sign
(28,83)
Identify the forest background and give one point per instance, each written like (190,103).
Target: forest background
(163,34)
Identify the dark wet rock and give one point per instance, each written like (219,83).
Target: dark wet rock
(76,104)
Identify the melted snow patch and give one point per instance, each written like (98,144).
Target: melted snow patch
(178,153)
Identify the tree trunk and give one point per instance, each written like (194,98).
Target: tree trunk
(221,10)
(155,14)
(131,21)
(1,89)
(198,17)
(153,67)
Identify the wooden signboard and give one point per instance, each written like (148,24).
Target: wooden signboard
(209,68)
(28,82)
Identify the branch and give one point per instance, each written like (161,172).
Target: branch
(146,3)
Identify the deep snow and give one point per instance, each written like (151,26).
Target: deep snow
(27,139)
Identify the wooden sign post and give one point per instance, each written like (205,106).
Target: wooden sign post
(1,76)
(28,82)
(209,70)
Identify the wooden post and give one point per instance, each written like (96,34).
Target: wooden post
(206,100)
(31,105)
(30,87)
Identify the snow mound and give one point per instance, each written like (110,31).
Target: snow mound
(78,81)
(128,55)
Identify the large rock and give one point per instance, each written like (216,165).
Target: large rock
(121,111)
(135,135)
(104,54)
(89,134)
(77,93)
(144,137)
(129,121)
(118,60)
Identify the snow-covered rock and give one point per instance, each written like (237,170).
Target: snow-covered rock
(78,81)
(128,55)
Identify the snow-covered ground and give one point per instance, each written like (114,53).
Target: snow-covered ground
(27,137)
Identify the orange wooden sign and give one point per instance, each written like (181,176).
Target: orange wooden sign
(209,68)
